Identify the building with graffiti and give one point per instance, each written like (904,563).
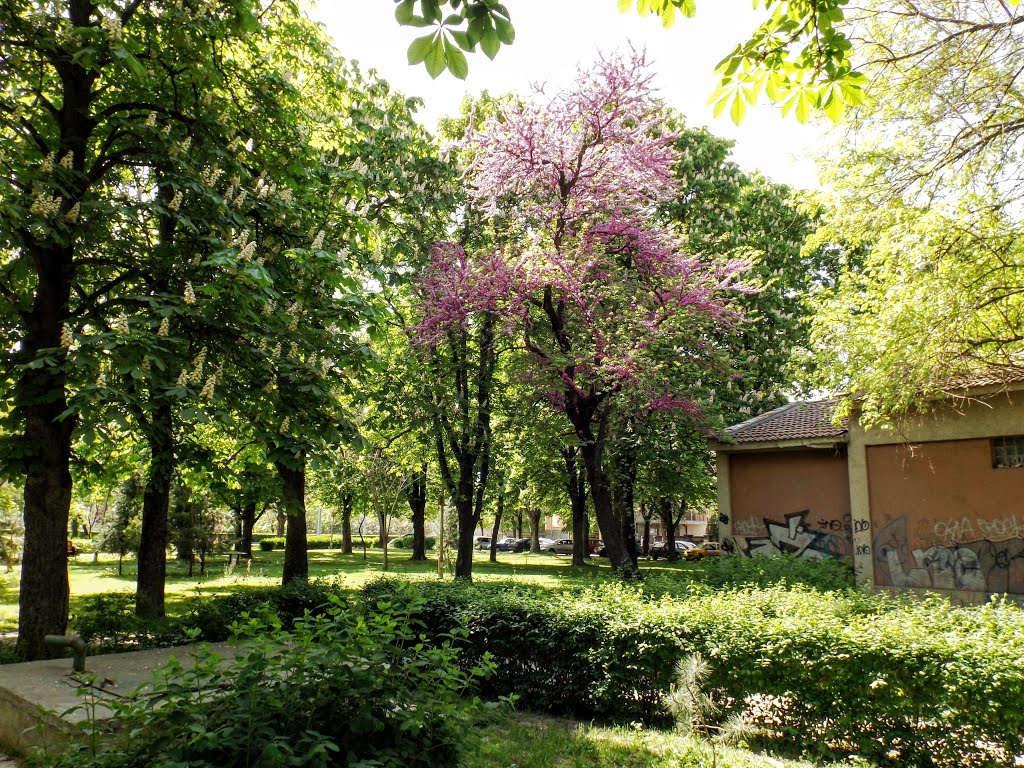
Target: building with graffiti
(933,503)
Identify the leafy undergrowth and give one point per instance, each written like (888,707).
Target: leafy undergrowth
(530,741)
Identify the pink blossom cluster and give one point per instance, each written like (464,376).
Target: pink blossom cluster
(453,288)
(602,291)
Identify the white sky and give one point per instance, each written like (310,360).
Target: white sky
(553,36)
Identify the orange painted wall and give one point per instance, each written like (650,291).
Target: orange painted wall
(942,517)
(770,490)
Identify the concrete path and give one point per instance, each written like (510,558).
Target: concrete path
(39,699)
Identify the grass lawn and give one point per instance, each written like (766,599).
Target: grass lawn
(352,571)
(530,741)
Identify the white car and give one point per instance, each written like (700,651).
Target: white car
(545,544)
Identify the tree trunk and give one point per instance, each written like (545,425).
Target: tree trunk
(346,524)
(248,522)
(625,462)
(464,507)
(497,525)
(282,520)
(293,501)
(645,539)
(417,496)
(152,576)
(582,412)
(576,486)
(669,523)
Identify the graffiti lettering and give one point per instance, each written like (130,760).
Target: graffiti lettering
(830,525)
(748,527)
(723,519)
(955,531)
(794,536)
(860,526)
(863,549)
(1010,527)
(981,565)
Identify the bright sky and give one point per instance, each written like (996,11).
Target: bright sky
(554,36)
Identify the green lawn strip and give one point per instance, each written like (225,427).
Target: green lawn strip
(89,576)
(530,741)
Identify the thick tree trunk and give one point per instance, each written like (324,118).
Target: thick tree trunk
(293,501)
(610,525)
(41,398)
(152,576)
(43,599)
(346,524)
(417,496)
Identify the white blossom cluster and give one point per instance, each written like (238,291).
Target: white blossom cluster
(112,26)
(190,294)
(66,338)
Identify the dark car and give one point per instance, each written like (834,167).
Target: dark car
(660,549)
(602,550)
(521,545)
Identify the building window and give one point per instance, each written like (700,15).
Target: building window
(1007,452)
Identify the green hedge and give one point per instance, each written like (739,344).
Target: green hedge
(898,682)
(108,622)
(270,543)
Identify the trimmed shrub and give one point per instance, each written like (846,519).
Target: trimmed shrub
(896,681)
(323,541)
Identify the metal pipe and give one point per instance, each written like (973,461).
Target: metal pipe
(75,643)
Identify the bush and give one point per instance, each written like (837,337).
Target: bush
(323,541)
(898,682)
(405,542)
(108,622)
(336,690)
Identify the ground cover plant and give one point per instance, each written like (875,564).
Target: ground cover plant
(339,688)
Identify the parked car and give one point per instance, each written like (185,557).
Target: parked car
(707,549)
(660,548)
(545,544)
(564,547)
(482,542)
(508,544)
(602,551)
(521,545)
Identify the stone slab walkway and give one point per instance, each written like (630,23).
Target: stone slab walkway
(38,698)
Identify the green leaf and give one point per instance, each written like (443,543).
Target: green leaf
(456,61)
(490,43)
(404,12)
(506,32)
(419,49)
(461,39)
(131,62)
(435,59)
(738,110)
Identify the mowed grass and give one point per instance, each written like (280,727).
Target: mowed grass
(89,577)
(530,741)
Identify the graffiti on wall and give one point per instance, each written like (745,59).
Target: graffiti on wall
(800,534)
(952,558)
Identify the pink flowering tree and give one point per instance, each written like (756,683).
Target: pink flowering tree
(608,304)
(466,307)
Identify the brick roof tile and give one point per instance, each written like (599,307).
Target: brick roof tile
(793,421)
